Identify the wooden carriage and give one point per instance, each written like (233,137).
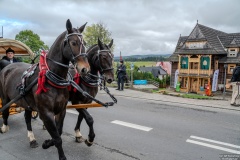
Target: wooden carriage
(21,50)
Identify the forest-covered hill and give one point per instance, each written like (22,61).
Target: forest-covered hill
(150,57)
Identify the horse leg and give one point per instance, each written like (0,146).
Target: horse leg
(28,118)
(5,115)
(49,122)
(79,137)
(89,119)
(59,121)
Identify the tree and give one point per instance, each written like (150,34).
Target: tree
(95,31)
(32,40)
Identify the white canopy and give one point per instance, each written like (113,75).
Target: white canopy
(19,48)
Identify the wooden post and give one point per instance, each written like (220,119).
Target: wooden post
(210,64)
(199,62)
(188,64)
(179,60)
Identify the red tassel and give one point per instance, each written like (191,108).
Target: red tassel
(41,82)
(42,74)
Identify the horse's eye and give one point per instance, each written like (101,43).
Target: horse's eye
(74,43)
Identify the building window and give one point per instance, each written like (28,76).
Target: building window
(231,68)
(184,62)
(195,45)
(232,52)
(205,61)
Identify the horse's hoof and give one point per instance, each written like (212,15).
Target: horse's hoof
(4,129)
(47,143)
(89,144)
(63,158)
(79,139)
(33,144)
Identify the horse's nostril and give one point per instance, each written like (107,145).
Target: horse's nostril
(84,70)
(109,81)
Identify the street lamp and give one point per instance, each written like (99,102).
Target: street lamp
(225,74)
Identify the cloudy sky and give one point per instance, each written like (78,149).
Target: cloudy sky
(137,26)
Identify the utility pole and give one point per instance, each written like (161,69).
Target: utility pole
(2,33)
(132,68)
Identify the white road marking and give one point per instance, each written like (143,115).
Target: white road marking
(217,142)
(131,125)
(214,146)
(72,111)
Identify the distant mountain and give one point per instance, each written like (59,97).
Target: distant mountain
(142,56)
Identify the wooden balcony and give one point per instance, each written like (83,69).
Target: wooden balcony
(195,71)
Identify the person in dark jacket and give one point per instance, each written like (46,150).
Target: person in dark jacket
(235,82)
(121,74)
(10,56)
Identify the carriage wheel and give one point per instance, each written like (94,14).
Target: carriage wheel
(34,114)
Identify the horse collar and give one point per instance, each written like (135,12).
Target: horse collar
(45,74)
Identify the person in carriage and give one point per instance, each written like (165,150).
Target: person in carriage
(10,56)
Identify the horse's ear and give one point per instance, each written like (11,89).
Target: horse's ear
(110,44)
(100,44)
(69,26)
(81,29)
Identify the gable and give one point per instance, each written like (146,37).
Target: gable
(233,41)
(196,34)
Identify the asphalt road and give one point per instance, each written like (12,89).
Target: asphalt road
(135,129)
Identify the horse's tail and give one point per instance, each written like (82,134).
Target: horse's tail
(3,63)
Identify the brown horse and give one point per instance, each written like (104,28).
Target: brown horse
(100,59)
(52,98)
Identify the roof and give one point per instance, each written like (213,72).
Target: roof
(226,59)
(174,56)
(230,40)
(154,70)
(19,48)
(166,66)
(215,42)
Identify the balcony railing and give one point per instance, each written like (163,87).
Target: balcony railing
(195,71)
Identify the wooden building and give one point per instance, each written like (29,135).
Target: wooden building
(199,55)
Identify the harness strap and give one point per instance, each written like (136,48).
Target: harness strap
(19,96)
(89,96)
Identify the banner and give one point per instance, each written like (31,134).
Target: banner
(176,78)
(215,80)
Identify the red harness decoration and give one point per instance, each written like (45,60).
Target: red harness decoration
(42,74)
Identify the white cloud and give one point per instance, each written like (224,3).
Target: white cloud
(137,26)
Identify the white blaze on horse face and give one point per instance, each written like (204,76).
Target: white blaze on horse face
(31,136)
(4,128)
(78,134)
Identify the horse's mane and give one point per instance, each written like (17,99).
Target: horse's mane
(92,50)
(60,37)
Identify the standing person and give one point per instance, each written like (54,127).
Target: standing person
(235,82)
(10,56)
(121,73)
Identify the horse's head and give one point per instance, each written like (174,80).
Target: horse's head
(105,58)
(74,49)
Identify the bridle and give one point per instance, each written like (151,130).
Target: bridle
(80,37)
(73,58)
(56,79)
(98,56)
